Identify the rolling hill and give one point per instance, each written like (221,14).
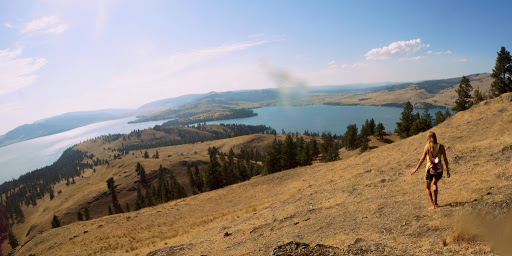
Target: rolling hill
(367,204)
(60,123)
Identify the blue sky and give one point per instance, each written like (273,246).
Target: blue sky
(59,56)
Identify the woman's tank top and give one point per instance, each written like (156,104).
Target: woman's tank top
(430,155)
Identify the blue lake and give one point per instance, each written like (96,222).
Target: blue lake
(29,155)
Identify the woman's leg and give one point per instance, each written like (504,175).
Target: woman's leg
(434,182)
(429,194)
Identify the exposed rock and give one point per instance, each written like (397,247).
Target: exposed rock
(302,249)
(173,250)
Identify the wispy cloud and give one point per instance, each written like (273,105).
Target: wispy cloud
(160,70)
(17,72)
(462,60)
(414,58)
(448,52)
(396,49)
(44,25)
(332,64)
(8,25)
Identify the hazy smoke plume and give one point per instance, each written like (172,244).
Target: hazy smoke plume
(291,89)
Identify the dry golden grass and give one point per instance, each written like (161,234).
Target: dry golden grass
(370,196)
(445,98)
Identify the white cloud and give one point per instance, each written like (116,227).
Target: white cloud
(332,64)
(396,49)
(44,25)
(429,52)
(359,65)
(8,25)
(17,72)
(462,60)
(448,52)
(161,71)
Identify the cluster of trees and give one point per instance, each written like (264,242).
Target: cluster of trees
(225,169)
(411,124)
(32,186)
(290,154)
(352,139)
(213,116)
(85,216)
(203,133)
(502,74)
(168,188)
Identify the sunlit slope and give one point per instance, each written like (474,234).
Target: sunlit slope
(371,197)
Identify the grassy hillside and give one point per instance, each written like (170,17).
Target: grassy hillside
(432,93)
(367,203)
(61,123)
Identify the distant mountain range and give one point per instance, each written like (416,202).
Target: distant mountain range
(60,123)
(433,93)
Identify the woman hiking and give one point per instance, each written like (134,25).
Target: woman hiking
(434,151)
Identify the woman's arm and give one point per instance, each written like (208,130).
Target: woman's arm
(421,161)
(446,162)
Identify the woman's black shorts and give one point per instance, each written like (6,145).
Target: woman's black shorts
(430,177)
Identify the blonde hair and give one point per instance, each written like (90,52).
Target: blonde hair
(431,141)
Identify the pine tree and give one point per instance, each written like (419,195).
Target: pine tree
(425,120)
(364,145)
(13,242)
(289,153)
(403,128)
(52,195)
(380,131)
(86,213)
(478,96)
(464,98)
(156,155)
(115,202)
(142,174)
(371,126)
(350,137)
(212,176)
(272,161)
(146,155)
(139,202)
(80,216)
(199,179)
(502,73)
(55,222)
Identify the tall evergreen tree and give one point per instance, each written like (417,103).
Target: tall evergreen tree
(13,242)
(380,131)
(212,176)
(86,213)
(272,162)
(289,153)
(142,174)
(139,202)
(478,96)
(403,128)
(502,73)
(80,217)
(350,137)
(115,202)
(52,195)
(371,126)
(146,154)
(426,120)
(464,98)
(199,179)
(55,222)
